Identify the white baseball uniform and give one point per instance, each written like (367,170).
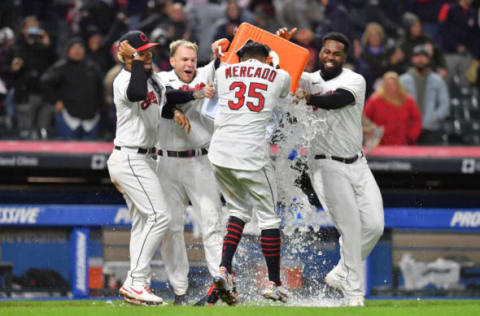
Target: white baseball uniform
(132,168)
(347,191)
(239,151)
(189,178)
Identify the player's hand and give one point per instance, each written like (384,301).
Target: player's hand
(181,119)
(127,51)
(284,33)
(219,47)
(300,95)
(209,91)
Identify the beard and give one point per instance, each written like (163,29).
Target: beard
(330,73)
(420,68)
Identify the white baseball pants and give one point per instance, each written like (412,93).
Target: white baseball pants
(250,191)
(135,176)
(185,179)
(351,197)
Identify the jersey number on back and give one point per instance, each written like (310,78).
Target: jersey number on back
(254,92)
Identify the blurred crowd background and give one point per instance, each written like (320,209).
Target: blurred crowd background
(420,59)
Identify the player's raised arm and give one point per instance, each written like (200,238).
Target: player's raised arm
(134,61)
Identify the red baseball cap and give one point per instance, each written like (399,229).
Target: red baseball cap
(137,40)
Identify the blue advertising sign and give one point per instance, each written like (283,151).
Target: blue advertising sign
(118,215)
(80,240)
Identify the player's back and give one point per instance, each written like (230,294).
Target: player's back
(247,93)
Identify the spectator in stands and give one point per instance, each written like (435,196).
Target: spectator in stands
(431,94)
(396,60)
(427,11)
(392,108)
(458,27)
(98,13)
(201,15)
(75,86)
(31,54)
(304,14)
(7,39)
(156,17)
(414,36)
(338,19)
(305,38)
(374,52)
(96,51)
(265,21)
(387,13)
(234,17)
(176,25)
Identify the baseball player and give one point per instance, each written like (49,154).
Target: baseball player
(184,166)
(140,99)
(239,153)
(340,175)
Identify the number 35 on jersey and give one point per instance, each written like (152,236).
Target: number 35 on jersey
(251,86)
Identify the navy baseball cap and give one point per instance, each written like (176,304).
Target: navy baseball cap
(137,40)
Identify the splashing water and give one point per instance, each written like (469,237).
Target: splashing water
(299,128)
(302,246)
(303,259)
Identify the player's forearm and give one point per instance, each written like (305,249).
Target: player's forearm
(175,96)
(137,87)
(339,99)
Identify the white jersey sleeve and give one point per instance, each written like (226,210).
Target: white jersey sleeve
(120,85)
(356,84)
(312,83)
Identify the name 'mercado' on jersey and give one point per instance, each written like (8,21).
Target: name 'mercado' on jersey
(342,136)
(247,93)
(172,136)
(137,122)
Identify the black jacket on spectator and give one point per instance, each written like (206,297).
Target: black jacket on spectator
(458,27)
(427,10)
(77,84)
(36,59)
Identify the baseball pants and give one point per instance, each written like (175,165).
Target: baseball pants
(191,179)
(134,174)
(352,199)
(250,191)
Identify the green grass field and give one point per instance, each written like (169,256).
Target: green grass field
(118,308)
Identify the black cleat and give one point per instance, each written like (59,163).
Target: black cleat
(180,300)
(210,299)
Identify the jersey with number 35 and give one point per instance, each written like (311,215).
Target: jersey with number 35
(247,93)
